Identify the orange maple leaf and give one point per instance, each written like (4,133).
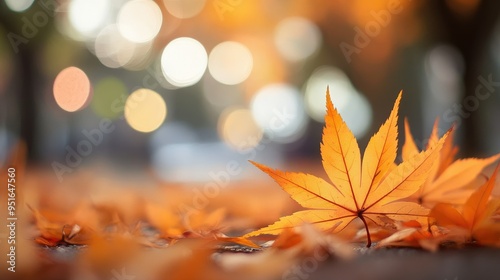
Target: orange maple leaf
(448,178)
(475,222)
(367,189)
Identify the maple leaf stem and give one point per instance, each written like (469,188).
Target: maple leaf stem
(368,237)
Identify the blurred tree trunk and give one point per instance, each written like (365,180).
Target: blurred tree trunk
(25,77)
(471,37)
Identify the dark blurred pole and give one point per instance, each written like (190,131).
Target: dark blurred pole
(25,77)
(470,36)
(27,103)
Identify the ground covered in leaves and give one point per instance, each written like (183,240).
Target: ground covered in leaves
(430,216)
(62,240)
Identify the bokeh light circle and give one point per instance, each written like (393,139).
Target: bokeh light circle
(297,38)
(140,20)
(112,49)
(279,110)
(72,89)
(184,8)
(238,129)
(145,110)
(19,5)
(87,16)
(184,61)
(230,63)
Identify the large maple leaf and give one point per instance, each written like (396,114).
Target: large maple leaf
(448,177)
(367,189)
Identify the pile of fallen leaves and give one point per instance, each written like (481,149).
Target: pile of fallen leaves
(100,229)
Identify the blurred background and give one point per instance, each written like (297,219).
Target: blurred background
(186,88)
